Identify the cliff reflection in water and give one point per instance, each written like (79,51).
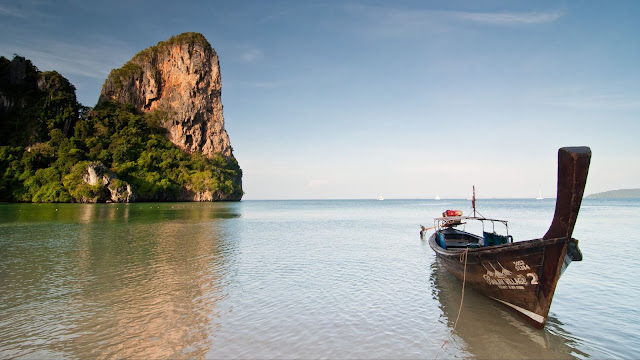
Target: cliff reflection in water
(486,329)
(130,280)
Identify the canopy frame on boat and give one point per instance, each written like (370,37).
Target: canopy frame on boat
(448,221)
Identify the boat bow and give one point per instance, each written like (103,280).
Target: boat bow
(573,168)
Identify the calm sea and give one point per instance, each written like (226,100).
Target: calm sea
(296,279)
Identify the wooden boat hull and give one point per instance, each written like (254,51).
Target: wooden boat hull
(521,275)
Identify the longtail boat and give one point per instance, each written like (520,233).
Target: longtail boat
(521,275)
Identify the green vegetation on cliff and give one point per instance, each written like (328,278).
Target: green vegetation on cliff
(132,66)
(32,103)
(49,165)
(184,38)
(125,72)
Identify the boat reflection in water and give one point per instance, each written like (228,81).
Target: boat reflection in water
(485,329)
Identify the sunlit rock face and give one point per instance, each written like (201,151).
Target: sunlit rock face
(180,80)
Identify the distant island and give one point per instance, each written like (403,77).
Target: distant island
(616,194)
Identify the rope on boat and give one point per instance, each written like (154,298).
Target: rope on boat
(463,257)
(464,280)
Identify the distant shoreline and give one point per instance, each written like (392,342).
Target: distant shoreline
(616,194)
(597,196)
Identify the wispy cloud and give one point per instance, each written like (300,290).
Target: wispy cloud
(401,21)
(10,11)
(508,18)
(71,58)
(251,55)
(248,53)
(30,10)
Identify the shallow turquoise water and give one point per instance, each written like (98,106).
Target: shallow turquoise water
(295,279)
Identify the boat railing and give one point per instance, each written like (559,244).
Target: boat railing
(450,221)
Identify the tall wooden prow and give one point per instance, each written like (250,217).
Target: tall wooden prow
(573,168)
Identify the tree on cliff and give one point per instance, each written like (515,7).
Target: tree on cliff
(32,103)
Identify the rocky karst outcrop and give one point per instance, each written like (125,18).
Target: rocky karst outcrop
(54,150)
(113,189)
(179,78)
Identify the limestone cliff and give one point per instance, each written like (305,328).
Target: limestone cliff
(54,150)
(179,78)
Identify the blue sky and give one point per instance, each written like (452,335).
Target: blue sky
(404,99)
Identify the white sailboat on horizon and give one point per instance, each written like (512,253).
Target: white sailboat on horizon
(539,195)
